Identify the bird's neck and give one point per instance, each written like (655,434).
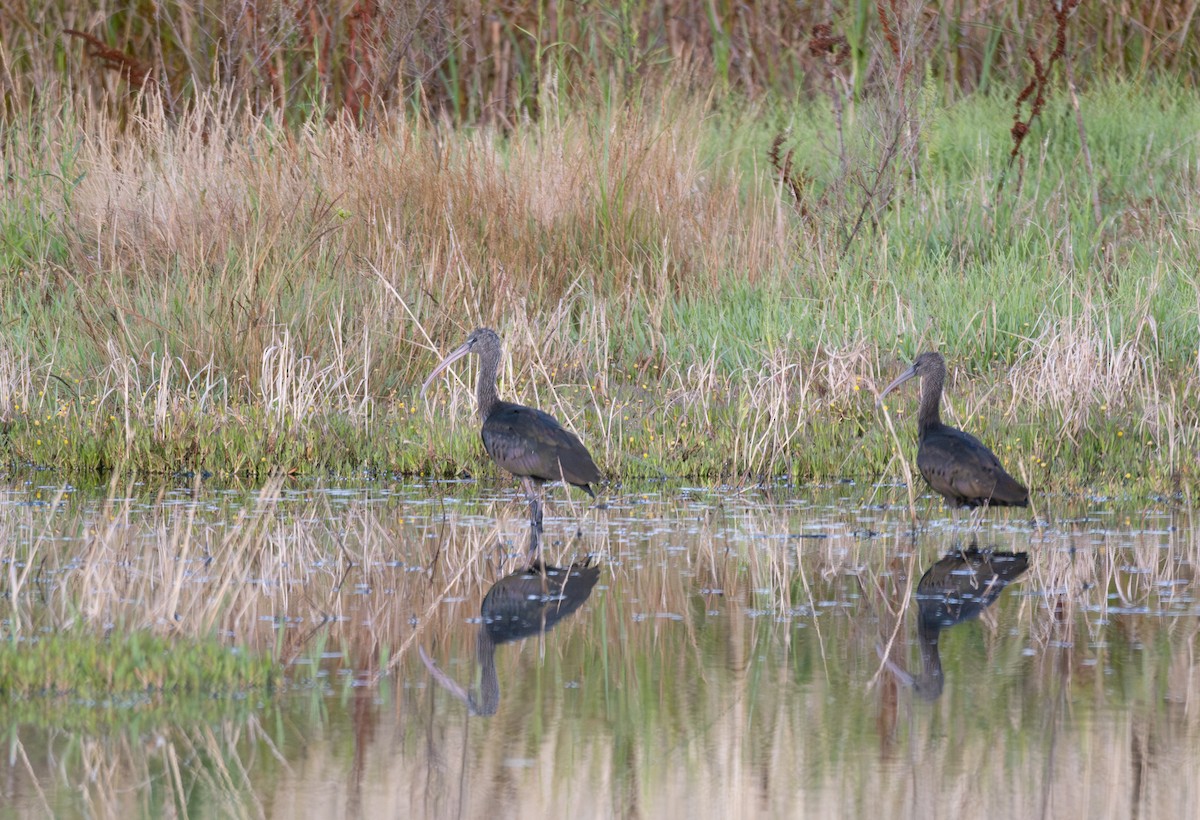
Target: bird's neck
(929,416)
(489,683)
(486,397)
(931,678)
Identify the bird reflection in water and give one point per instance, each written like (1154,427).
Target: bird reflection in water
(957,588)
(518,606)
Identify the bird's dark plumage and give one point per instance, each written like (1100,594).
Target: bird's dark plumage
(954,463)
(528,442)
(525,441)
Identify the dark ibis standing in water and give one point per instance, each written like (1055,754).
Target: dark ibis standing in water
(957,588)
(955,463)
(518,606)
(525,441)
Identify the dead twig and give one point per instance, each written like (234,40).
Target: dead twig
(138,73)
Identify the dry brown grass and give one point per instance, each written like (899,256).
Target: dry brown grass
(211,271)
(468,232)
(1086,374)
(1078,366)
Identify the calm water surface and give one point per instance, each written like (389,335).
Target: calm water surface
(714,652)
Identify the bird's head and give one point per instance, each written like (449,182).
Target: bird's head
(926,364)
(482,338)
(482,341)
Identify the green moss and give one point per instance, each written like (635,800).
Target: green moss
(123,669)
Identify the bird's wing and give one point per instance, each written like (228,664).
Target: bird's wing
(962,584)
(528,442)
(528,602)
(957,464)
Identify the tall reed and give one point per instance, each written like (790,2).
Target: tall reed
(499,63)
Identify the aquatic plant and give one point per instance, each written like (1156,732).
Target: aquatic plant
(122,666)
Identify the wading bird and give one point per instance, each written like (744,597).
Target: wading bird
(518,606)
(954,463)
(957,588)
(525,441)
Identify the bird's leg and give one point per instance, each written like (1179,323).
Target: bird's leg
(963,519)
(533,493)
(535,542)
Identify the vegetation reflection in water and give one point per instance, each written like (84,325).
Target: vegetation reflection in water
(740,654)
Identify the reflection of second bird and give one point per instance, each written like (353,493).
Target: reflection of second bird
(518,606)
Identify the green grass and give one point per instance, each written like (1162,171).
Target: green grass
(125,667)
(269,306)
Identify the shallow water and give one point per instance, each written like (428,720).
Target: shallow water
(737,654)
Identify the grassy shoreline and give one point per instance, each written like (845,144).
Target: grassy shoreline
(227,295)
(734,443)
(127,664)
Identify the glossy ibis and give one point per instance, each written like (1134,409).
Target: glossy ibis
(955,463)
(956,589)
(518,606)
(525,441)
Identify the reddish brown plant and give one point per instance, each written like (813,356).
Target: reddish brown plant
(796,182)
(136,71)
(1061,10)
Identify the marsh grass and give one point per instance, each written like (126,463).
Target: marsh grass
(216,292)
(503,63)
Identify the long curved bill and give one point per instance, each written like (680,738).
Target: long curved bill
(455,355)
(895,668)
(901,379)
(448,683)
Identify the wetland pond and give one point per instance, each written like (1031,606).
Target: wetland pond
(713,652)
